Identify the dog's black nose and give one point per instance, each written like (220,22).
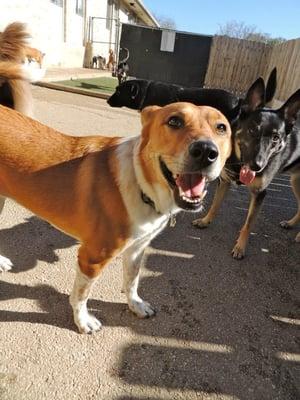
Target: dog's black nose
(256,165)
(204,152)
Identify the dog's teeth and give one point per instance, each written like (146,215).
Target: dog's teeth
(189,200)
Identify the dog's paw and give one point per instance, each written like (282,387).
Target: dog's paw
(142,309)
(297,238)
(5,264)
(87,323)
(200,223)
(285,224)
(238,253)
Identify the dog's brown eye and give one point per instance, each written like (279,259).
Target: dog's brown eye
(175,122)
(276,138)
(221,128)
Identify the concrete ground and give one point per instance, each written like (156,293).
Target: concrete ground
(225,329)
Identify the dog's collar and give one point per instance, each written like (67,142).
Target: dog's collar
(146,199)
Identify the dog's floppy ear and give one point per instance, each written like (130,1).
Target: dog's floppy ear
(255,96)
(290,109)
(134,90)
(271,85)
(147,113)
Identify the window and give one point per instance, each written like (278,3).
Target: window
(79,7)
(57,2)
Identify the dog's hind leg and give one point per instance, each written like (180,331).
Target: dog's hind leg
(220,193)
(5,263)
(238,252)
(295,182)
(132,259)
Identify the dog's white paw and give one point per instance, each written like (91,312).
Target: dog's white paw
(297,238)
(5,264)
(87,323)
(141,308)
(200,223)
(285,224)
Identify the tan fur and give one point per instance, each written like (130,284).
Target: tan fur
(111,62)
(33,54)
(90,187)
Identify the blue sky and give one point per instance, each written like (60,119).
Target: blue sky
(276,17)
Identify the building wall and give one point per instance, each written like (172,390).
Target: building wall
(60,32)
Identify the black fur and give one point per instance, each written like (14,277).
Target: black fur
(140,93)
(6,95)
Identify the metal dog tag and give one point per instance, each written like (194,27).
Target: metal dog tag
(172,220)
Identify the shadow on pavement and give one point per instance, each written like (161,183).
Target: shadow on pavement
(223,327)
(27,243)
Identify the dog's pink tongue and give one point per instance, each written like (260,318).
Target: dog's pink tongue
(246,175)
(191,184)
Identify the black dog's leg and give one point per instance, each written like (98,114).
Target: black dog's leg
(220,193)
(238,252)
(295,182)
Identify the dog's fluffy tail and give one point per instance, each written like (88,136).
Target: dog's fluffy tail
(17,78)
(126,57)
(11,70)
(13,40)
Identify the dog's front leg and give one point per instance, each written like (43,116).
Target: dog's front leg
(295,182)
(87,273)
(238,251)
(220,193)
(132,258)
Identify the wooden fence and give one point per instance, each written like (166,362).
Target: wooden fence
(286,57)
(235,63)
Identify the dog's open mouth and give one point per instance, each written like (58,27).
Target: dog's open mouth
(189,188)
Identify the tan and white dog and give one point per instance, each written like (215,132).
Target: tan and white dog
(33,54)
(113,194)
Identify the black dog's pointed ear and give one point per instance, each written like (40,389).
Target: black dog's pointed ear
(134,90)
(291,108)
(271,85)
(255,96)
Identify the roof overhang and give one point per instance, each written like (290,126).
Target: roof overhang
(138,8)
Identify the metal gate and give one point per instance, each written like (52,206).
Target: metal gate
(104,33)
(152,57)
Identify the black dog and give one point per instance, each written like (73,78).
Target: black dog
(266,142)
(123,68)
(140,93)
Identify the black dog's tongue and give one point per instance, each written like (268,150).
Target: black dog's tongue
(246,175)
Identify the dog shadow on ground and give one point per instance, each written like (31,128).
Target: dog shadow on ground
(28,242)
(223,326)
(85,85)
